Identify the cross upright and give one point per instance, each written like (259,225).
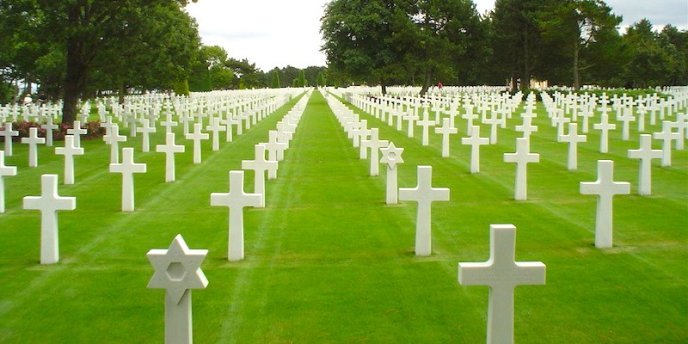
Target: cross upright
(107,125)
(411,118)
(605,188)
(196,137)
(374,144)
(33,141)
(49,126)
(681,126)
(469,116)
(127,168)
(215,128)
(113,140)
(275,148)
(527,127)
(424,194)
(626,119)
(445,130)
(69,151)
(604,127)
(666,136)
(521,158)
(168,123)
(8,133)
(425,123)
(77,131)
(227,123)
(493,121)
(48,203)
(236,200)
(502,274)
(475,141)
(573,139)
(146,129)
(5,171)
(259,165)
(645,154)
(170,148)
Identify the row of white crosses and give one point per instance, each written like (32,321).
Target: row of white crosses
(237,199)
(177,269)
(501,272)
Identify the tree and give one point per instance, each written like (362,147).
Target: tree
(275,79)
(85,32)
(577,25)
(359,37)
(649,64)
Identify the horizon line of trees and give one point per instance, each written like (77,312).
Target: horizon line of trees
(566,42)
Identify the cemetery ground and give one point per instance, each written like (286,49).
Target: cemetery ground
(327,261)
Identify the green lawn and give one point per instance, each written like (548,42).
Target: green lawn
(328,262)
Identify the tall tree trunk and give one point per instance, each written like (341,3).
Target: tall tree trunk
(77,69)
(576,76)
(525,78)
(426,81)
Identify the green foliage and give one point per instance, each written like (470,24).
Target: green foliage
(275,79)
(181,87)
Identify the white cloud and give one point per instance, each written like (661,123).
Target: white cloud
(269,33)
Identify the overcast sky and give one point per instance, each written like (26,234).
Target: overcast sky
(277,33)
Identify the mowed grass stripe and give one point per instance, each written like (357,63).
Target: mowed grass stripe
(556,226)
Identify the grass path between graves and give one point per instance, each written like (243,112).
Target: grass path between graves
(328,262)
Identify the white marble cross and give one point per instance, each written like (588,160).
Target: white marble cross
(681,126)
(666,135)
(475,141)
(8,133)
(215,128)
(424,194)
(69,151)
(177,270)
(645,154)
(168,123)
(605,188)
(48,203)
(113,139)
(445,130)
(33,141)
(391,156)
(107,125)
(5,171)
(573,139)
(604,127)
(521,158)
(425,123)
(259,165)
(196,137)
(170,148)
(411,118)
(127,168)
(49,126)
(374,143)
(502,273)
(625,119)
(146,129)
(236,200)
(77,131)
(527,127)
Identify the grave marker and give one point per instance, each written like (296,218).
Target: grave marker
(521,158)
(196,137)
(475,141)
(33,141)
(146,129)
(8,133)
(573,139)
(645,154)
(391,155)
(605,188)
(48,203)
(177,270)
(77,131)
(259,165)
(236,200)
(69,151)
(5,171)
(49,127)
(502,274)
(666,135)
(170,148)
(374,143)
(446,129)
(127,168)
(113,140)
(424,194)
